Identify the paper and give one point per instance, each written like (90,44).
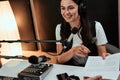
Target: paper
(108,68)
(13,67)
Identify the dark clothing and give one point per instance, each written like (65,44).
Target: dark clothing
(81,61)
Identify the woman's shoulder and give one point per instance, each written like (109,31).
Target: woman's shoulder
(97,25)
(94,21)
(58,26)
(97,22)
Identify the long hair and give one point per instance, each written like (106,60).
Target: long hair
(85,24)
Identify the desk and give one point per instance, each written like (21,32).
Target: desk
(70,70)
(13,67)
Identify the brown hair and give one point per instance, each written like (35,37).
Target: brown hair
(85,24)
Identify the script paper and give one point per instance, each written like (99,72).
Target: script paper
(13,67)
(108,68)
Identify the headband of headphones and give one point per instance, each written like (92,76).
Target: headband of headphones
(82,6)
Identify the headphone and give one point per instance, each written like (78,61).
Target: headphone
(82,7)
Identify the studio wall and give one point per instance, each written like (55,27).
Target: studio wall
(47,16)
(22,12)
(106,12)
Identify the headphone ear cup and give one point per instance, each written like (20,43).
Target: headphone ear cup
(82,8)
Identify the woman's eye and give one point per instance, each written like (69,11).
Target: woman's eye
(71,7)
(62,8)
(68,8)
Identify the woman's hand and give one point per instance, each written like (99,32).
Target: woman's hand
(102,51)
(104,55)
(99,77)
(81,51)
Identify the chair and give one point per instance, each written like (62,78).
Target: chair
(112,49)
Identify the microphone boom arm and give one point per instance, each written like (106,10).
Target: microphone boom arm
(29,41)
(13,57)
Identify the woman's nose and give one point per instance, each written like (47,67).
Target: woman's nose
(67,12)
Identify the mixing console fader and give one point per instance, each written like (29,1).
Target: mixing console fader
(35,72)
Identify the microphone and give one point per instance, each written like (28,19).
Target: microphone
(31,59)
(73,32)
(35,60)
(67,42)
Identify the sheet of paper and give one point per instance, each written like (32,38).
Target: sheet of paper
(13,67)
(108,68)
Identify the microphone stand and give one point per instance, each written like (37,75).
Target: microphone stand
(65,46)
(13,57)
(29,41)
(33,41)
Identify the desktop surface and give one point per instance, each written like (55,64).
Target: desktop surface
(13,67)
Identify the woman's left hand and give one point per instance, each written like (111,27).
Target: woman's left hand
(104,55)
(98,77)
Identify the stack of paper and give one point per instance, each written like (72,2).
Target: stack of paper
(108,68)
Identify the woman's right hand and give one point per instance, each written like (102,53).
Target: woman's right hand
(81,51)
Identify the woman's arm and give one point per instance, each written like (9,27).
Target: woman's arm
(102,51)
(101,40)
(81,51)
(64,57)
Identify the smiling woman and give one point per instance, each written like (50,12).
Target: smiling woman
(82,44)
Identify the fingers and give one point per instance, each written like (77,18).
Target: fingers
(81,51)
(84,49)
(104,55)
(99,77)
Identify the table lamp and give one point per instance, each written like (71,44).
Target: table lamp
(9,30)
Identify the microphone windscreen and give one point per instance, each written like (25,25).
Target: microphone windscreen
(33,59)
(74,30)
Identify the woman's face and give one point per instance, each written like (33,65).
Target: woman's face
(69,10)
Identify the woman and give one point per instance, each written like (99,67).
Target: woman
(74,15)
